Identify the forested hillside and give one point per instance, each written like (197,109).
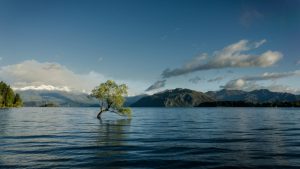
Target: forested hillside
(8,98)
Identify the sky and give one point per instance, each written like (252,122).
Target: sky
(150,45)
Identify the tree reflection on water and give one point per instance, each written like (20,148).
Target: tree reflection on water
(111,138)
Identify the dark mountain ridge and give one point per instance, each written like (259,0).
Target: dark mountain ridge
(174,98)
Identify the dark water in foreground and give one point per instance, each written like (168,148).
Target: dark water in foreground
(153,138)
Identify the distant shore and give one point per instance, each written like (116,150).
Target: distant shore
(248,104)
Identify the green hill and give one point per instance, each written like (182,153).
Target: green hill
(8,98)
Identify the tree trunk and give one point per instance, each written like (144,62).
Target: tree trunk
(99,114)
(101,111)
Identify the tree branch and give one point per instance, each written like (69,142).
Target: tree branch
(109,105)
(102,105)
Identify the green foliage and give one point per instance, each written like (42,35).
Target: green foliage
(125,111)
(18,101)
(8,97)
(1,100)
(111,97)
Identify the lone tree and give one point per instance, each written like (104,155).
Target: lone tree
(111,97)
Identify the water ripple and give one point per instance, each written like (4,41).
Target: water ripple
(153,138)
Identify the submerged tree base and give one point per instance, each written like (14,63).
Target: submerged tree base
(122,112)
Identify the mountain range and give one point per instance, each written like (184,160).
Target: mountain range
(38,98)
(255,96)
(190,98)
(56,98)
(168,98)
(174,98)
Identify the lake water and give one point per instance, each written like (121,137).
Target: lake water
(153,138)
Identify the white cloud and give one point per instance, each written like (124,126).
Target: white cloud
(236,84)
(35,75)
(1,58)
(43,87)
(267,59)
(232,56)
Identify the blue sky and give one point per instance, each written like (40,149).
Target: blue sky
(135,41)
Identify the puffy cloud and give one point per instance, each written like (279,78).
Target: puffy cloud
(236,84)
(34,75)
(195,61)
(37,74)
(44,87)
(195,80)
(156,85)
(267,59)
(232,56)
(217,79)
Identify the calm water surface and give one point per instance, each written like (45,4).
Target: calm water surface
(153,138)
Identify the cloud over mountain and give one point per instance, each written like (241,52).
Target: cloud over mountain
(158,84)
(36,74)
(249,82)
(232,56)
(43,87)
